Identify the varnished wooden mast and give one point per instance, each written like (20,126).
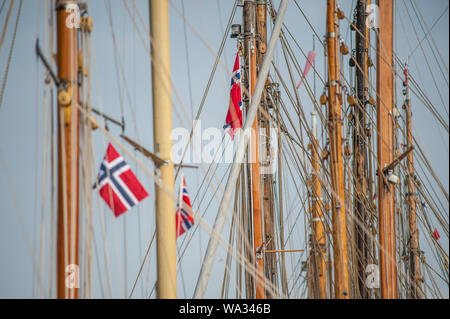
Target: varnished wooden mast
(211,250)
(268,202)
(359,148)
(414,252)
(385,131)
(341,277)
(250,31)
(319,239)
(162,127)
(67,236)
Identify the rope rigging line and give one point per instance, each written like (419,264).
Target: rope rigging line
(279,75)
(425,56)
(158,181)
(295,159)
(5,25)
(11,49)
(180,100)
(428,33)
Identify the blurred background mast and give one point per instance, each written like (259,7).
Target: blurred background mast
(162,129)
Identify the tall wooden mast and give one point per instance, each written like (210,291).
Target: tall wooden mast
(162,127)
(359,147)
(385,146)
(239,155)
(341,278)
(319,237)
(67,236)
(250,48)
(268,203)
(414,255)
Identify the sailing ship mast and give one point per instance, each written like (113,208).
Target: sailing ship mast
(249,26)
(67,119)
(385,145)
(239,155)
(162,128)
(414,252)
(341,276)
(359,148)
(318,266)
(263,228)
(267,198)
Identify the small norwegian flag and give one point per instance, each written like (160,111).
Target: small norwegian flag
(234,114)
(117,184)
(436,234)
(184,216)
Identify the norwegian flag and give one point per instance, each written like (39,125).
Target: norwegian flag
(184,217)
(436,234)
(234,114)
(117,184)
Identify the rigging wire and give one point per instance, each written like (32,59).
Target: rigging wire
(425,57)
(429,34)
(11,49)
(5,25)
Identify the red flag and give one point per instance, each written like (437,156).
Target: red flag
(234,114)
(405,72)
(436,234)
(184,218)
(117,184)
(309,62)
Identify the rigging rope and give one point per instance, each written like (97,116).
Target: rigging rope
(8,63)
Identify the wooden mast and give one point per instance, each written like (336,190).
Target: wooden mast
(250,48)
(341,278)
(385,146)
(162,127)
(239,155)
(414,253)
(359,148)
(268,212)
(319,237)
(67,234)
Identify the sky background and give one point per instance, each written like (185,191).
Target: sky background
(25,228)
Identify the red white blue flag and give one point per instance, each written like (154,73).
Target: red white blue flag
(184,216)
(117,184)
(234,114)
